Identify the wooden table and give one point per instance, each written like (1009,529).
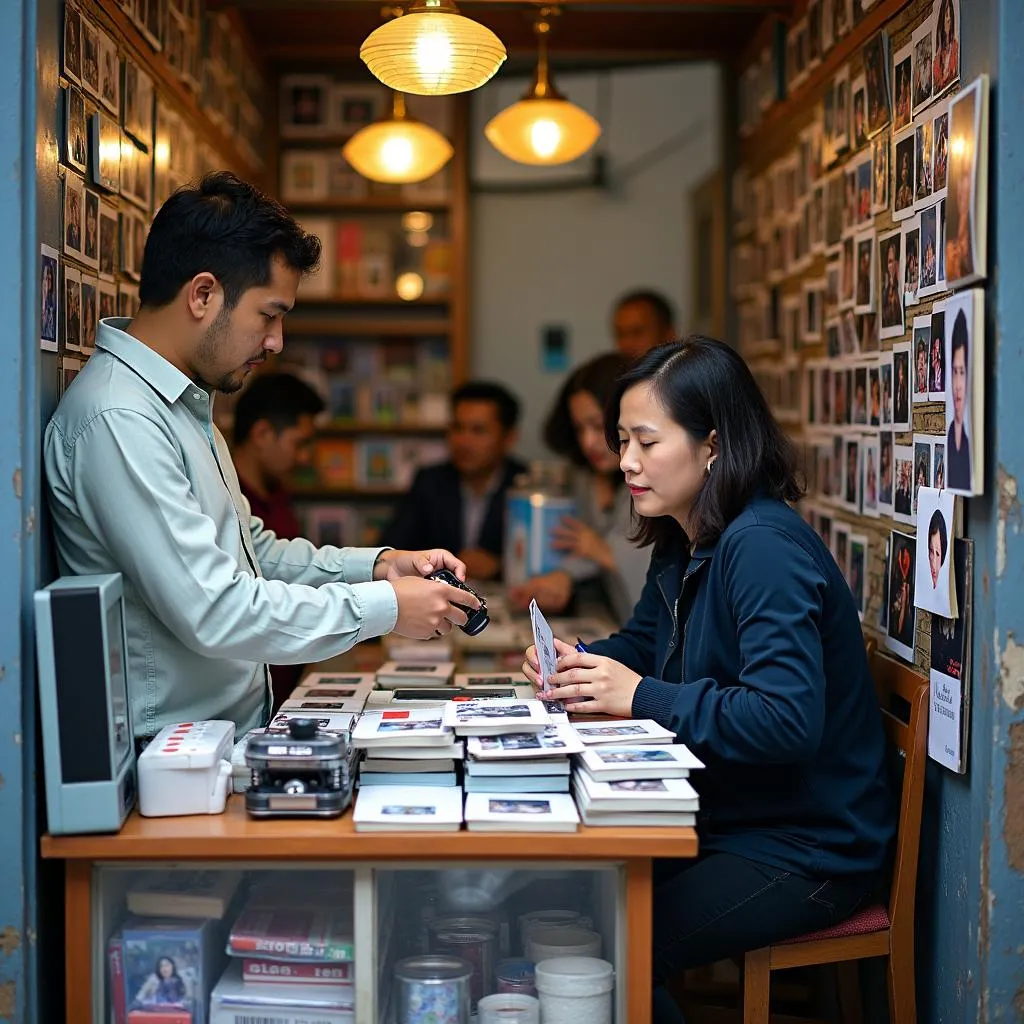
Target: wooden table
(233,836)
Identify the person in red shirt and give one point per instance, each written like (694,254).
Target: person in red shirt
(274,423)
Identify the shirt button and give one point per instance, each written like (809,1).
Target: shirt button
(197,395)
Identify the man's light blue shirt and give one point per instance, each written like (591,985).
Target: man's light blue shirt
(141,482)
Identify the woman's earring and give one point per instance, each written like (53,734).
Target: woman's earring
(711,462)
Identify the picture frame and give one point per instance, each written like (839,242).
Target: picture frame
(74,215)
(90,59)
(91,229)
(72,44)
(105,151)
(354,106)
(49,299)
(110,74)
(76,141)
(108,248)
(305,106)
(72,304)
(304,175)
(966,246)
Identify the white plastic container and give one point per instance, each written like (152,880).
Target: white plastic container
(508,1008)
(575,990)
(549,943)
(186,769)
(548,919)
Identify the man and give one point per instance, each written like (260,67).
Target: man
(460,504)
(274,423)
(141,482)
(958,447)
(642,320)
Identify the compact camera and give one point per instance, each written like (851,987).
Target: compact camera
(478,617)
(299,774)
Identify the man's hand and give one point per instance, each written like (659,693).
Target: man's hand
(426,608)
(393,565)
(480,564)
(552,591)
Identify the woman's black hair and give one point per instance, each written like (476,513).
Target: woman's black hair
(940,32)
(705,385)
(937,525)
(598,378)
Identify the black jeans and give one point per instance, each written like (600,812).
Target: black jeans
(722,905)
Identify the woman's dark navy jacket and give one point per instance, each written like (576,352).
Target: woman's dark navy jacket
(754,657)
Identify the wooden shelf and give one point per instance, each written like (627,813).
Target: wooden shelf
(348,429)
(389,301)
(382,328)
(371,204)
(233,835)
(304,492)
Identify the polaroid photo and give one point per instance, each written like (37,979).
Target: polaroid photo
(841,125)
(904,149)
(876,75)
(870,475)
(890,252)
(90,313)
(886,472)
(825,395)
(946,49)
(921,345)
(936,522)
(305,107)
(850,211)
(867,332)
(922,467)
(107,291)
(928,283)
(853,473)
(612,764)
(110,74)
(848,277)
(138,104)
(874,396)
(354,106)
(864,247)
(902,87)
(885,382)
(860,112)
(812,306)
(825,529)
(880,173)
(639,730)
(967,191)
(924,157)
(840,549)
(105,150)
(76,139)
(940,152)
(921,41)
(901,629)
(833,274)
(937,355)
(72,309)
(49,311)
(864,177)
(857,577)
(304,176)
(127,299)
(903,484)
(833,212)
(859,410)
(964,317)
(91,229)
(911,261)
(72,62)
(108,256)
(841,383)
(901,376)
(74,215)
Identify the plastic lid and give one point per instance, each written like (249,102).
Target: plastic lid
(575,976)
(514,969)
(433,967)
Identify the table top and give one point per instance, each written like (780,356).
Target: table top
(233,835)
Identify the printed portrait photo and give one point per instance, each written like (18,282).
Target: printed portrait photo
(923,160)
(961,245)
(72,43)
(921,347)
(929,251)
(880,167)
(937,360)
(892,284)
(865,295)
(885,471)
(876,76)
(961,359)
(903,495)
(902,616)
(90,57)
(922,469)
(922,66)
(934,551)
(911,262)
(72,309)
(89,308)
(946,70)
(903,169)
(902,105)
(940,151)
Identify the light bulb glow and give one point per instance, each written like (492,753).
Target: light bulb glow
(545,138)
(397,151)
(397,154)
(433,54)
(958,146)
(542,131)
(409,286)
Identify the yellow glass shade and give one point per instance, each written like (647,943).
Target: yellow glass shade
(542,131)
(397,151)
(433,51)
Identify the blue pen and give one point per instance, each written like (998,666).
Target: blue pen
(581,646)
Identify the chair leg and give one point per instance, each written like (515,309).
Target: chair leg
(756,984)
(851,1007)
(902,993)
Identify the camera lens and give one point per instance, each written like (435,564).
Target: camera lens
(477,622)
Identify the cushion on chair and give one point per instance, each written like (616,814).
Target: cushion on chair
(871,919)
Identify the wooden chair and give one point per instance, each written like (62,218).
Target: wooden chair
(876,930)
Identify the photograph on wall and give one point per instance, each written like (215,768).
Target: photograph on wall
(303,175)
(965,396)
(935,533)
(901,387)
(949,712)
(929,282)
(902,87)
(922,44)
(874,397)
(911,261)
(354,106)
(857,576)
(107,299)
(903,174)
(946,71)
(967,192)
(867,331)
(841,547)
(841,133)
(72,62)
(922,468)
(91,230)
(859,415)
(76,143)
(70,366)
(105,169)
(891,268)
(110,74)
(864,248)
(864,179)
(49,312)
(108,242)
(305,105)
(885,472)
(74,214)
(939,465)
(937,362)
(883,605)
(940,153)
(72,309)
(880,169)
(903,484)
(860,112)
(90,310)
(902,625)
(923,160)
(869,486)
(885,379)
(851,466)
(138,104)
(127,299)
(876,76)
(90,58)
(921,348)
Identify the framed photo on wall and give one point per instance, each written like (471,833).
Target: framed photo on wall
(967,195)
(354,106)
(305,104)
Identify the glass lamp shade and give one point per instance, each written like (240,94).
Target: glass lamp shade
(397,151)
(540,130)
(432,51)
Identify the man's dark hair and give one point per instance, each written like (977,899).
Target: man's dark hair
(704,385)
(661,306)
(226,227)
(959,339)
(597,378)
(504,401)
(278,398)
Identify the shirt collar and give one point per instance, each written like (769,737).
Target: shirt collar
(164,378)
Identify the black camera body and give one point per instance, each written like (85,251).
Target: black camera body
(478,618)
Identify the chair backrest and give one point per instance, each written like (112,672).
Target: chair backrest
(903,696)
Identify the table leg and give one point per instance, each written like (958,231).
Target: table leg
(78,941)
(638,940)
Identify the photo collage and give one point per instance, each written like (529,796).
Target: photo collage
(859,251)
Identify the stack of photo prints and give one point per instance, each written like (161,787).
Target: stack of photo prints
(857,267)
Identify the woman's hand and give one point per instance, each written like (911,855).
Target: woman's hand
(531,666)
(552,592)
(608,683)
(584,541)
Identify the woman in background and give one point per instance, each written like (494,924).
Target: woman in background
(595,542)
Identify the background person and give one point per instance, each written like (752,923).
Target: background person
(642,320)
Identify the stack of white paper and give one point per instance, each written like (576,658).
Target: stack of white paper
(401,673)
(521,812)
(527,762)
(638,730)
(418,809)
(495,716)
(417,727)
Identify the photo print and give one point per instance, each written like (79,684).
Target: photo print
(886,473)
(72,309)
(869,486)
(90,58)
(880,173)
(965,357)
(903,175)
(859,415)
(967,192)
(74,214)
(110,75)
(939,465)
(867,331)
(108,242)
(883,605)
(901,387)
(911,261)
(864,298)
(902,87)
(76,143)
(921,345)
(922,44)
(937,360)
(874,397)
(841,134)
(891,269)
(851,466)
(849,337)
(305,107)
(841,548)
(91,230)
(72,62)
(903,484)
(902,625)
(860,112)
(107,300)
(923,159)
(946,62)
(876,76)
(864,183)
(857,576)
(49,306)
(935,592)
(354,106)
(127,299)
(929,279)
(940,154)
(90,311)
(885,379)
(922,467)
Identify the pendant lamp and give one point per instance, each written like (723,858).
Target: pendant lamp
(398,149)
(543,128)
(432,50)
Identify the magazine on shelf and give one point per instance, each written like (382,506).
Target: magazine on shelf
(612,764)
(423,809)
(636,730)
(555,739)
(235,991)
(494,716)
(521,812)
(292,929)
(636,794)
(416,727)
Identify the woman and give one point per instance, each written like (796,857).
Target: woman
(164,987)
(596,543)
(937,544)
(746,644)
(947,48)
